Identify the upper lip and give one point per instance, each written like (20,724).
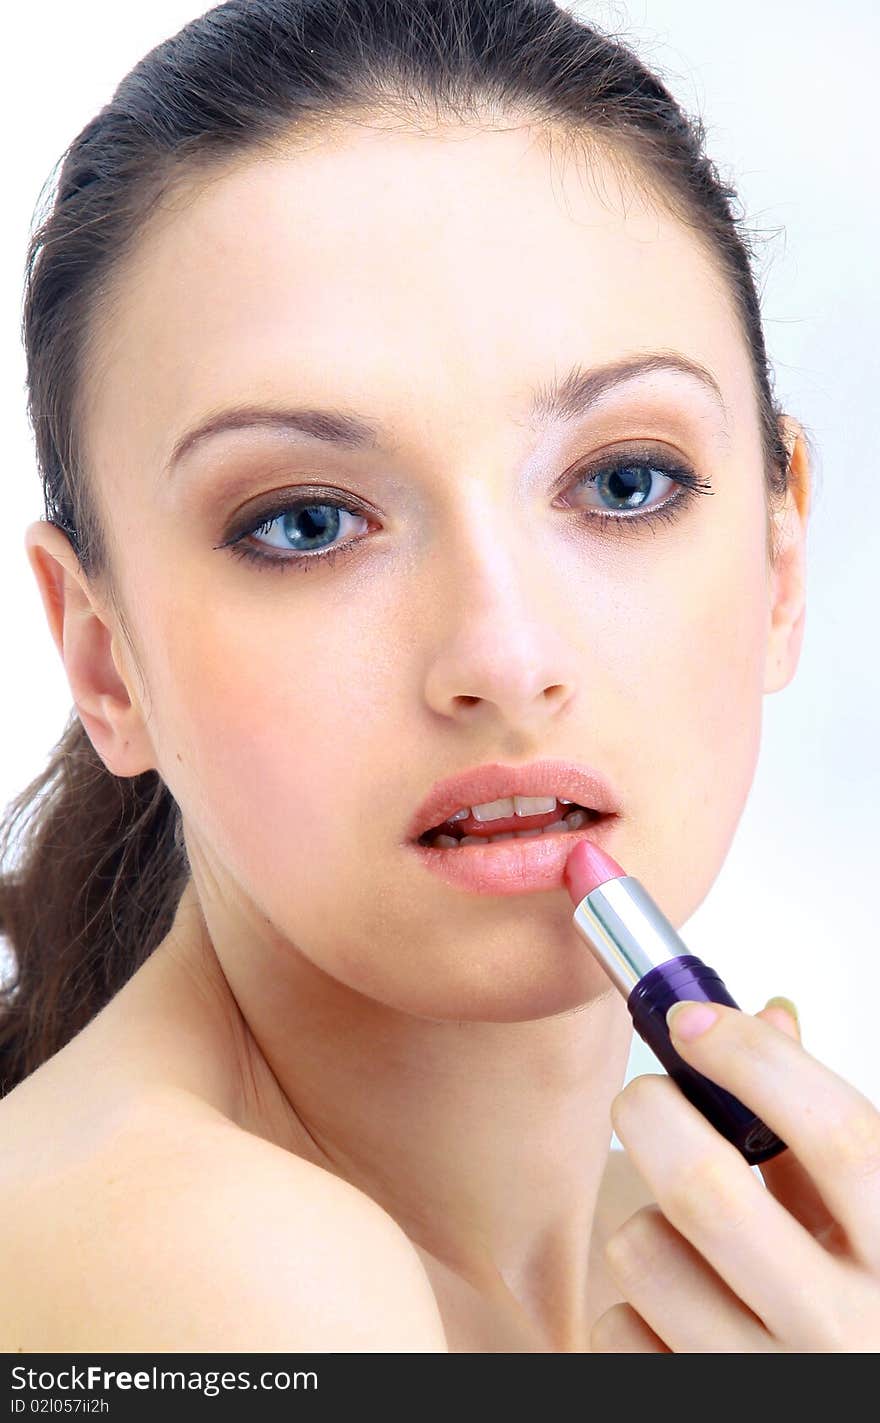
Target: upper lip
(493,782)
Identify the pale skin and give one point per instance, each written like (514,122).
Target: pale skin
(454,1057)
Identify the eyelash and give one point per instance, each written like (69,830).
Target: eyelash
(671,509)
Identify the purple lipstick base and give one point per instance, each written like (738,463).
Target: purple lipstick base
(688,977)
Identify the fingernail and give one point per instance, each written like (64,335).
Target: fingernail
(687,1020)
(786,1003)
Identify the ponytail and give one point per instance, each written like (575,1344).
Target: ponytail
(99,870)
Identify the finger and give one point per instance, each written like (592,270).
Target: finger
(677,1294)
(786,1180)
(620,1331)
(782,1017)
(710,1194)
(833,1130)
(784,1175)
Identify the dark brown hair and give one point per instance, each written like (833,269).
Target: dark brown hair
(100,861)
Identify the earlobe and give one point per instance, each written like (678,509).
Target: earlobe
(81,632)
(787,577)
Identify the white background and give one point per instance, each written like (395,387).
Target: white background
(788,92)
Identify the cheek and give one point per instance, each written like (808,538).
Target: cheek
(695,683)
(271,729)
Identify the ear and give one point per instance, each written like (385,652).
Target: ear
(787,581)
(101,681)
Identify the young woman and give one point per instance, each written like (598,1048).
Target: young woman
(404,414)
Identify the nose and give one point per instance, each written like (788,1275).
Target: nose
(502,652)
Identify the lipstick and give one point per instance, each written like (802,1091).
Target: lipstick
(650,965)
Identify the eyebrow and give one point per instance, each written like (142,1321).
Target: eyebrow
(559,400)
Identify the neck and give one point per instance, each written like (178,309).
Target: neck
(485,1141)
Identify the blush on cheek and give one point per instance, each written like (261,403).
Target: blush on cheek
(691,713)
(270,703)
(252,757)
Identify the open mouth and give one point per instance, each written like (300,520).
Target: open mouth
(465,832)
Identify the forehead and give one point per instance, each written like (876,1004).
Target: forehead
(418,276)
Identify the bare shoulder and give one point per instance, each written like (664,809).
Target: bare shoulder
(183,1232)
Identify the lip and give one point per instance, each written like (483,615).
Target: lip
(487,783)
(514,866)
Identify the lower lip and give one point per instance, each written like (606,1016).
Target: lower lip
(513,866)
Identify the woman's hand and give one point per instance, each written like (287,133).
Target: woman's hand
(721,1264)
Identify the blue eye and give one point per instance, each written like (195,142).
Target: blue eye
(625,481)
(303,523)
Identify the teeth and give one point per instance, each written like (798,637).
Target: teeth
(494,809)
(573,821)
(512,805)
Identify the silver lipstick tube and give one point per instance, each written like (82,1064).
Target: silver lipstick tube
(632,939)
(627,931)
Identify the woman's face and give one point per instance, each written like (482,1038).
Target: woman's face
(299,712)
